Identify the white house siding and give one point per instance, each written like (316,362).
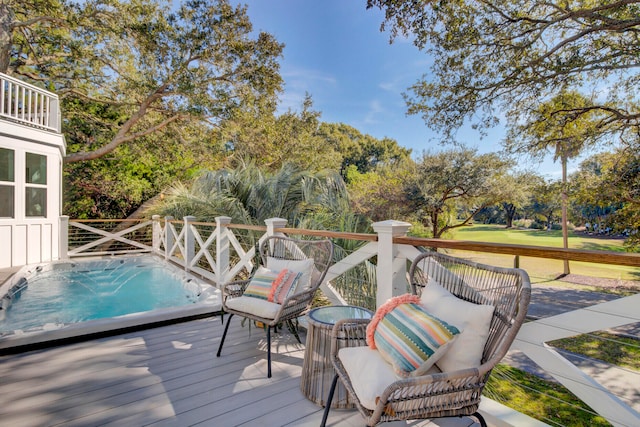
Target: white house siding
(28,240)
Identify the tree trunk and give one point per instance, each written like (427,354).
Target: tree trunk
(565,202)
(6,31)
(510,213)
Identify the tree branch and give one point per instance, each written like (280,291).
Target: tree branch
(118,140)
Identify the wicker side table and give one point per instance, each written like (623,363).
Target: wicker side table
(317,370)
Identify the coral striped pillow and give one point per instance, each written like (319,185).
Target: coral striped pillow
(283,286)
(260,284)
(408,337)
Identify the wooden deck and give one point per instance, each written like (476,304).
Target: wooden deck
(167,376)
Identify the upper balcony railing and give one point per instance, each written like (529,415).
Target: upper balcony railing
(29,105)
(370,274)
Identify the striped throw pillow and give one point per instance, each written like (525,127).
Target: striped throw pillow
(283,286)
(260,284)
(408,337)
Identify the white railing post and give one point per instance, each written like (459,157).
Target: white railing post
(189,242)
(391,273)
(54,118)
(168,237)
(64,237)
(273,223)
(222,249)
(156,233)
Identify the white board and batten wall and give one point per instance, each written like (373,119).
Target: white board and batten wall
(30,193)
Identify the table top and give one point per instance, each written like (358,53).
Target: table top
(330,314)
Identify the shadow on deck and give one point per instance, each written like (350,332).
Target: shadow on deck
(167,376)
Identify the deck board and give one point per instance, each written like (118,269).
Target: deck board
(167,376)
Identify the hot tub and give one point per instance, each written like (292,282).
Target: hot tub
(66,301)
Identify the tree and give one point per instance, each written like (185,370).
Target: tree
(452,183)
(565,125)
(250,194)
(545,202)
(495,56)
(607,189)
(28,31)
(115,186)
(378,193)
(155,67)
(364,152)
(517,187)
(271,140)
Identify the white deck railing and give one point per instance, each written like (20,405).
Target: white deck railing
(28,104)
(210,254)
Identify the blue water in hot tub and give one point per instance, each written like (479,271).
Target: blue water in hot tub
(73,292)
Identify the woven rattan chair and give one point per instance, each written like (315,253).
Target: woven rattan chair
(278,250)
(454,392)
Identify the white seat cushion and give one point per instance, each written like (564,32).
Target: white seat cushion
(472,319)
(369,373)
(256,306)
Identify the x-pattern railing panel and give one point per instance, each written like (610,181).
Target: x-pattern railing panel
(108,236)
(533,338)
(204,249)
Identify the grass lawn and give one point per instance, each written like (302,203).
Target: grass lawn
(616,350)
(543,270)
(543,400)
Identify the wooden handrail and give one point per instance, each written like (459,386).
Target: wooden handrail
(602,257)
(584,255)
(333,234)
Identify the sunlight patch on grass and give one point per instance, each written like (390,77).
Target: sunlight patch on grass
(614,349)
(546,401)
(545,269)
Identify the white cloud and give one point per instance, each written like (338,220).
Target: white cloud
(375,109)
(299,82)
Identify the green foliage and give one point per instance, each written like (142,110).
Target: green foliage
(250,195)
(616,350)
(378,194)
(31,30)
(543,400)
(518,189)
(565,124)
(545,204)
(449,188)
(151,64)
(490,57)
(115,186)
(271,140)
(606,190)
(362,152)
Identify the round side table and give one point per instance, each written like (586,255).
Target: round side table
(317,370)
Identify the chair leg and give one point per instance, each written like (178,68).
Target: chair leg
(224,334)
(268,351)
(480,418)
(294,329)
(327,405)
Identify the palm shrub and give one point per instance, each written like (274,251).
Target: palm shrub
(249,195)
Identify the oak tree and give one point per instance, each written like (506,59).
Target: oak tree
(495,57)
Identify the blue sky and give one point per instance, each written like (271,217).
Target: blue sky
(335,51)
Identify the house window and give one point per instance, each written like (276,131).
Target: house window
(7,183)
(36,185)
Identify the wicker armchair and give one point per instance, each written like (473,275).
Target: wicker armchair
(455,392)
(278,250)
